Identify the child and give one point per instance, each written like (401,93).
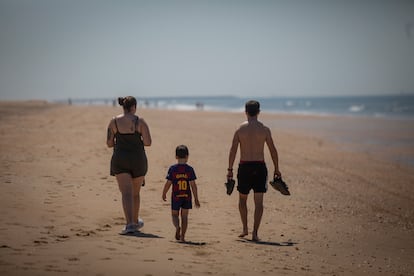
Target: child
(182,177)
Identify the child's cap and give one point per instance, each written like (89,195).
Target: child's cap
(181,151)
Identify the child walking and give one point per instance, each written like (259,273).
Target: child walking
(182,177)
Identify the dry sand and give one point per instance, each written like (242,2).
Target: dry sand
(351,210)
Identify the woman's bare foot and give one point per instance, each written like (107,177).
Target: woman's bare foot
(177,234)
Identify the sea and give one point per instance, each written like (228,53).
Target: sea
(397,106)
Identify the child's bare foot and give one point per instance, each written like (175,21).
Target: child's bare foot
(177,233)
(243,234)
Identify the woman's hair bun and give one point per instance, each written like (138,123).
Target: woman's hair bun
(121,101)
(127,102)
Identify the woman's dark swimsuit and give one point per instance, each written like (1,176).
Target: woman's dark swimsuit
(129,154)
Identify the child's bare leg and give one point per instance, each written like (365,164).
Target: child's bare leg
(176,222)
(184,223)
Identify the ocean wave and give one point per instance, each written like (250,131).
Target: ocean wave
(356,108)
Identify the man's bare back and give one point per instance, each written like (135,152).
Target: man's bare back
(252,136)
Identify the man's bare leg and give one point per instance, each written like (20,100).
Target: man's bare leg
(258,212)
(243,214)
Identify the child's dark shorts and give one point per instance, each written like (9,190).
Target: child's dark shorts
(252,175)
(183,203)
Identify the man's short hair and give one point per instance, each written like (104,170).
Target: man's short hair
(181,151)
(252,107)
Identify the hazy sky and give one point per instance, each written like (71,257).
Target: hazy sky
(55,49)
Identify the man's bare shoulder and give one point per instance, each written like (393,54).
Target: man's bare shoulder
(256,124)
(267,130)
(244,124)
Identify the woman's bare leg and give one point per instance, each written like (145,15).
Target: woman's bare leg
(136,188)
(125,187)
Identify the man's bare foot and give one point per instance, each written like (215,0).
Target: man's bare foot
(177,234)
(255,238)
(243,234)
(182,239)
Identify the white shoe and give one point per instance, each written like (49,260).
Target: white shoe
(140,223)
(128,229)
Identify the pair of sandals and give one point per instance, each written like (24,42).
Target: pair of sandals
(277,183)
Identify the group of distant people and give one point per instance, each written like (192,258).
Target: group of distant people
(129,134)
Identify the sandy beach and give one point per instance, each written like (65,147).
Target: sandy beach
(351,211)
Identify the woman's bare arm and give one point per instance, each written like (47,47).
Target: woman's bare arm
(145,132)
(110,136)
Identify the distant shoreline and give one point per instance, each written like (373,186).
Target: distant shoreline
(399,106)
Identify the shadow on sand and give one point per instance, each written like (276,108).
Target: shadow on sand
(289,243)
(191,242)
(140,234)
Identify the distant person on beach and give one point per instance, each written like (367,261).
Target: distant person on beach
(128,134)
(181,177)
(252,170)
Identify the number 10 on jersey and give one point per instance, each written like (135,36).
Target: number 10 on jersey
(182,185)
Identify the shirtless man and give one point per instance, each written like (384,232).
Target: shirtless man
(252,171)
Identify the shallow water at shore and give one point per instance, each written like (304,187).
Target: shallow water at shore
(388,138)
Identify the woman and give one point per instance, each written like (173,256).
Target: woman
(128,134)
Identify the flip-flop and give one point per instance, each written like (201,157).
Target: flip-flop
(279,185)
(229,186)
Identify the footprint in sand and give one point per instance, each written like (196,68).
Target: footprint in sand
(83,233)
(61,238)
(54,268)
(40,242)
(104,228)
(119,221)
